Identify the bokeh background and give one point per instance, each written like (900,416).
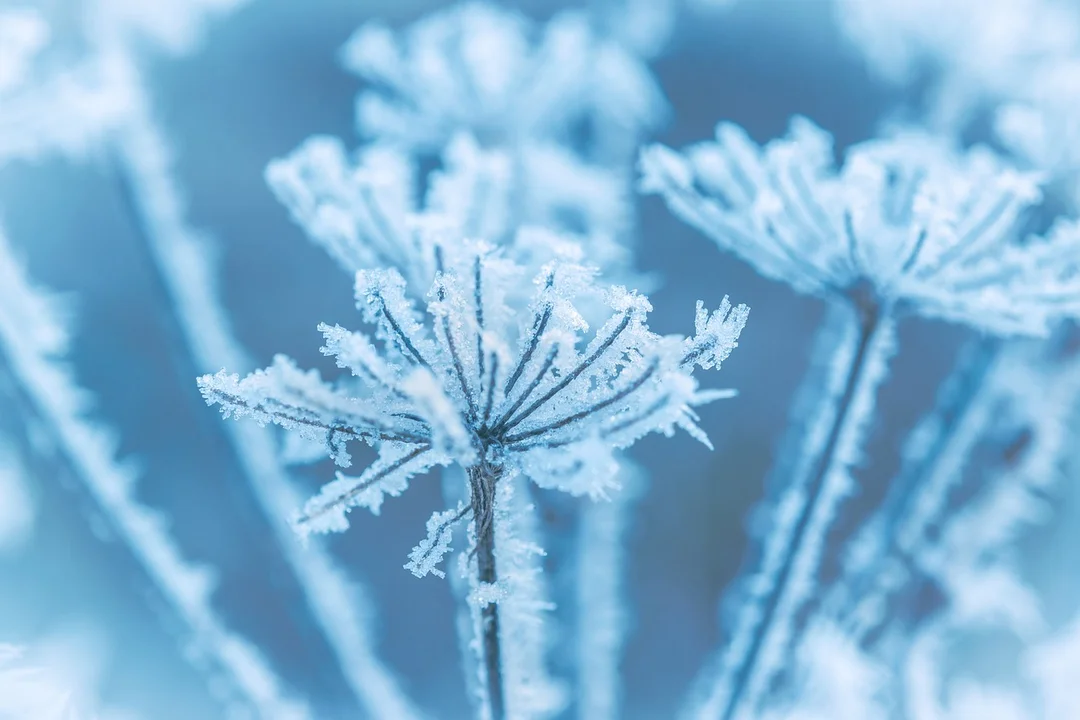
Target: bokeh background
(263,78)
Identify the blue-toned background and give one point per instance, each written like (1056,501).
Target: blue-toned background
(267,77)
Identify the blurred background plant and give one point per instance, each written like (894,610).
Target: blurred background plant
(146,551)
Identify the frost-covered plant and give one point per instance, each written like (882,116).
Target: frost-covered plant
(545,141)
(907,222)
(363,209)
(492,72)
(969,552)
(470,386)
(907,225)
(955,534)
(973,50)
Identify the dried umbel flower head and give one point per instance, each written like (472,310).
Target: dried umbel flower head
(483,385)
(906,221)
(491,72)
(363,208)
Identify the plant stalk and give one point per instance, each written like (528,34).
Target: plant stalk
(482,483)
(866,586)
(820,499)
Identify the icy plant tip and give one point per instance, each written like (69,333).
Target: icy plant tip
(906,221)
(494,388)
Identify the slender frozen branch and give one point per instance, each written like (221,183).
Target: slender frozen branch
(510,634)
(601,597)
(933,461)
(733,685)
(482,483)
(33,341)
(181,257)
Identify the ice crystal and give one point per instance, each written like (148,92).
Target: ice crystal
(487,70)
(906,221)
(906,224)
(457,388)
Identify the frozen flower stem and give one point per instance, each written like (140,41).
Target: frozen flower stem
(858,367)
(933,455)
(182,257)
(482,482)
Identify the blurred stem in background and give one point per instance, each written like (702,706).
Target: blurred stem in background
(832,444)
(182,258)
(34,345)
(879,563)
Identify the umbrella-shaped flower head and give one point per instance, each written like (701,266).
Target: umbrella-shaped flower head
(485,384)
(906,221)
(491,72)
(363,209)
